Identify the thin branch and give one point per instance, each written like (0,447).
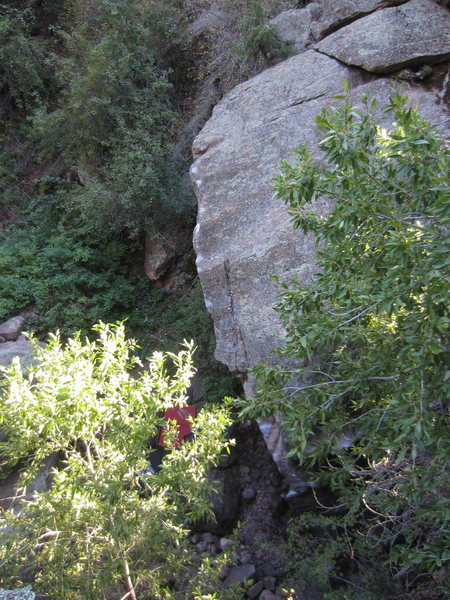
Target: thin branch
(358,587)
(357,230)
(391,377)
(296,389)
(126,567)
(316,385)
(356,316)
(404,221)
(131,591)
(375,512)
(328,508)
(352,310)
(321,373)
(361,416)
(326,405)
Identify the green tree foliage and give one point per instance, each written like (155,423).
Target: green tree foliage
(24,71)
(114,124)
(184,317)
(92,169)
(108,526)
(366,404)
(69,276)
(325,553)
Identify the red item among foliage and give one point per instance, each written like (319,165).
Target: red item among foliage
(180,414)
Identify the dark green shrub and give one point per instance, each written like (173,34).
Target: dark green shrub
(24,62)
(102,148)
(65,266)
(171,317)
(327,555)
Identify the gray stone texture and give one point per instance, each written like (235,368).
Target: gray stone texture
(268,595)
(12,328)
(342,12)
(294,26)
(238,575)
(243,234)
(11,492)
(388,40)
(22,348)
(159,257)
(25,593)
(255,590)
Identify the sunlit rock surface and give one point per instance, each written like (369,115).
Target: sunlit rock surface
(243,235)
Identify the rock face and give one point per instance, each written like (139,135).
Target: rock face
(164,258)
(158,258)
(12,328)
(243,235)
(238,575)
(336,14)
(11,494)
(22,348)
(415,33)
(13,343)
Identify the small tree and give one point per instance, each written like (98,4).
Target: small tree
(367,402)
(108,526)
(259,36)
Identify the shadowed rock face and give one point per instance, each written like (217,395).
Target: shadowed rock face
(244,235)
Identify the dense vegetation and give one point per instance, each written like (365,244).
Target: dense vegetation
(91,165)
(108,526)
(93,98)
(92,94)
(366,402)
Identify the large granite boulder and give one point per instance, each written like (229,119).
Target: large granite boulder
(12,328)
(14,343)
(22,348)
(159,257)
(243,235)
(414,33)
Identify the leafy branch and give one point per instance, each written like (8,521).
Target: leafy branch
(368,336)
